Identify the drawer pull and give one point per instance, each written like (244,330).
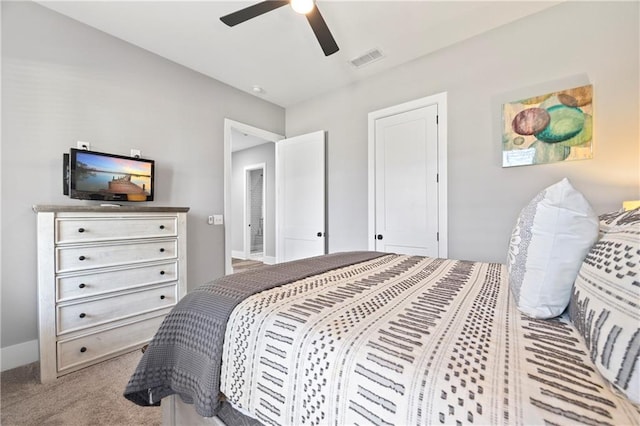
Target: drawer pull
(82,258)
(83,285)
(161,250)
(81,230)
(162,296)
(161,226)
(83,349)
(161,272)
(82,315)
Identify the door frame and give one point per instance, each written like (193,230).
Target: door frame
(229,125)
(248,207)
(440,99)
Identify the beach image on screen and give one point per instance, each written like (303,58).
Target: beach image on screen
(102,174)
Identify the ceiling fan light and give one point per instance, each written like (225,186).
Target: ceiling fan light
(302,6)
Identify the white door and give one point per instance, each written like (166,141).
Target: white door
(255,212)
(300,197)
(406,182)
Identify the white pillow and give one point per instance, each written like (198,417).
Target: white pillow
(550,240)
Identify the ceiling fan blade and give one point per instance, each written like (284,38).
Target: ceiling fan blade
(247,13)
(320,29)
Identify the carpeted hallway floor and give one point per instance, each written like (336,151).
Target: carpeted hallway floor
(92,396)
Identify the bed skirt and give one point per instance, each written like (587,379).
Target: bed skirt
(177,413)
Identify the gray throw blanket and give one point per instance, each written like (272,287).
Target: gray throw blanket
(185,355)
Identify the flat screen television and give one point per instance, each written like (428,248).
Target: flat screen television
(109,177)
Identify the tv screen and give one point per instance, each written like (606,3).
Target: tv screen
(109,177)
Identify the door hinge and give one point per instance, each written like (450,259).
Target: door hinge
(437,177)
(437,236)
(437,117)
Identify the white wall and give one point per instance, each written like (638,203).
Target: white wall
(566,46)
(265,153)
(63,81)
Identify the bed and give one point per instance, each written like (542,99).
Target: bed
(388,339)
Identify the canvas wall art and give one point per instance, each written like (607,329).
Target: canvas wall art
(549,128)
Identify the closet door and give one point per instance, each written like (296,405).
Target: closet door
(406,182)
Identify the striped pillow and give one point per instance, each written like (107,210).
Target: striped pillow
(605,306)
(609,221)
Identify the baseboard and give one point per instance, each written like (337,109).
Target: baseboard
(257,256)
(19,355)
(269,260)
(236,254)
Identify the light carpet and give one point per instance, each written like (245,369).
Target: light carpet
(91,396)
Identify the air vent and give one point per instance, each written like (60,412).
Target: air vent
(367,58)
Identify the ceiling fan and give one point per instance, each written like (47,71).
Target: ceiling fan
(305,7)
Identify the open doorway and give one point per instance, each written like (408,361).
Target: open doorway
(247,147)
(253,201)
(299,223)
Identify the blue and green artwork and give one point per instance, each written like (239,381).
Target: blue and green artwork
(554,127)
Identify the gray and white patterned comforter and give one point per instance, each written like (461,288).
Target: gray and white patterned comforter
(401,340)
(185,355)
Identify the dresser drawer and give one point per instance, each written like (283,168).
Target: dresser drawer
(77,230)
(81,257)
(87,349)
(77,316)
(104,281)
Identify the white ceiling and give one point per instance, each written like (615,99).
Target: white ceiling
(278,51)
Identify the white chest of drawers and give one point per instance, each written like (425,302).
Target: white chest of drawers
(107,276)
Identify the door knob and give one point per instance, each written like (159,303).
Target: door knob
(319,234)
(379,236)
